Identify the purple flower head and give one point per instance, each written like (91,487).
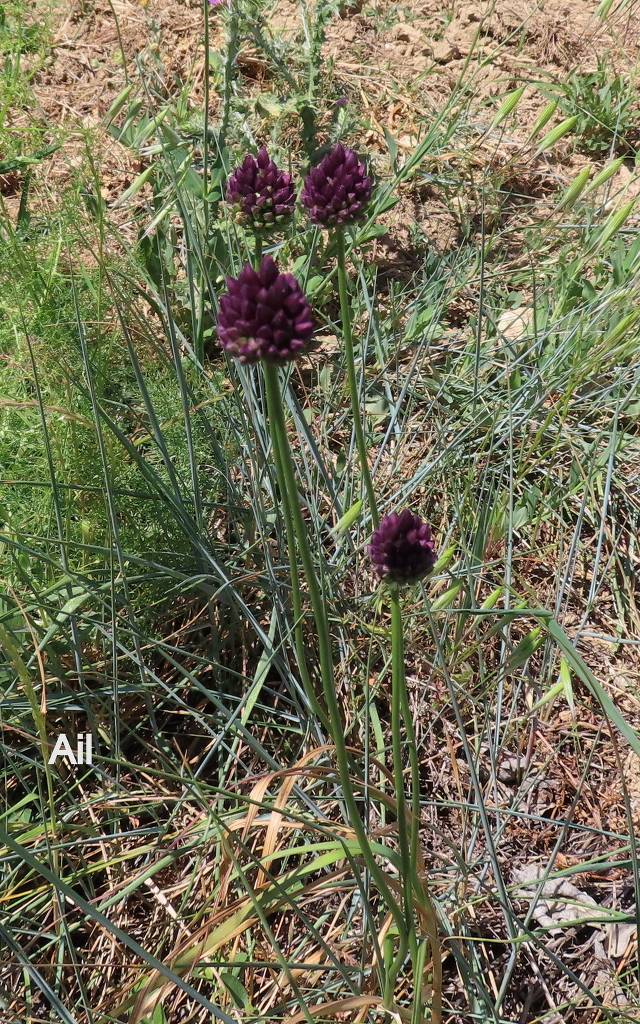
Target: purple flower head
(402,548)
(261,194)
(264,315)
(336,191)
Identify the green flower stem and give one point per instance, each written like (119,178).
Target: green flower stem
(258,249)
(414,887)
(347,335)
(276,417)
(233,46)
(296,595)
(398,690)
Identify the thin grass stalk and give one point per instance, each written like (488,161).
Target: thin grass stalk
(347,335)
(276,416)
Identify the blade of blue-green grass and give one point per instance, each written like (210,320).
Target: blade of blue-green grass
(111,504)
(582,671)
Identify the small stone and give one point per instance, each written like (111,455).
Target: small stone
(443,51)
(515,323)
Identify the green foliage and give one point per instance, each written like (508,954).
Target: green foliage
(23,43)
(605,106)
(40,309)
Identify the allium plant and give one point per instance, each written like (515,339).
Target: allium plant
(265,318)
(336,193)
(264,315)
(261,194)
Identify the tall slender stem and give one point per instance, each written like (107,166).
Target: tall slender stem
(276,415)
(414,887)
(398,686)
(199,340)
(298,629)
(347,336)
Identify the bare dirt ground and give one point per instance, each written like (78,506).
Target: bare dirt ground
(398,62)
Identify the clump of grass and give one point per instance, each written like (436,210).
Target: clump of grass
(605,106)
(23,45)
(46,404)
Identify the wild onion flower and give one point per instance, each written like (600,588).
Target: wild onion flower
(261,194)
(264,315)
(337,190)
(402,548)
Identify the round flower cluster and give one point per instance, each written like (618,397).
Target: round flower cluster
(264,315)
(402,548)
(338,189)
(261,194)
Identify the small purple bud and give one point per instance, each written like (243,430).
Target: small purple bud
(402,548)
(338,189)
(261,194)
